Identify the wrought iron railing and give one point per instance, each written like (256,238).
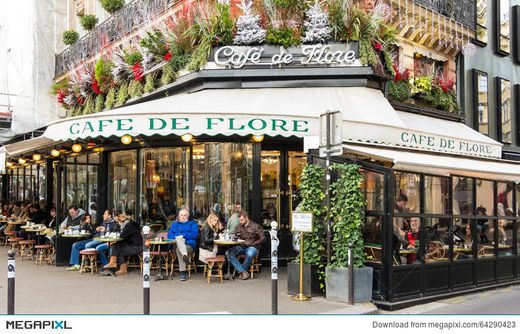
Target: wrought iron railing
(116,27)
(462,11)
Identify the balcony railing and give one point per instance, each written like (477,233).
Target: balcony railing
(114,28)
(462,11)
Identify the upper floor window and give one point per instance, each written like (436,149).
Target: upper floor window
(504,110)
(502,27)
(480,102)
(482,33)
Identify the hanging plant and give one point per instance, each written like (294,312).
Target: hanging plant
(103,74)
(70,37)
(122,94)
(88,22)
(347,215)
(135,89)
(149,84)
(112,6)
(168,74)
(110,100)
(399,88)
(89,107)
(100,103)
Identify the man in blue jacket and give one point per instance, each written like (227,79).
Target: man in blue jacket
(185,232)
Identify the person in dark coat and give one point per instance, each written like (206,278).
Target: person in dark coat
(132,244)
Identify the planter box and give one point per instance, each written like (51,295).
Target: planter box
(336,282)
(311,282)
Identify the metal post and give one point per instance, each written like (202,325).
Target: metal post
(274,267)
(146,270)
(351,274)
(11,273)
(327,186)
(300,296)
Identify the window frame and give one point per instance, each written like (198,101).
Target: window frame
(477,25)
(498,108)
(498,33)
(476,119)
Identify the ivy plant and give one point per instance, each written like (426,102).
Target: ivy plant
(347,215)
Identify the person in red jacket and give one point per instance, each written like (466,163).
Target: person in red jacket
(411,238)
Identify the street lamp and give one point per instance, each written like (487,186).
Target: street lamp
(258,138)
(77,148)
(126,139)
(55,153)
(187,137)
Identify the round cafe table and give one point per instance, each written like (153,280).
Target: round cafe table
(107,239)
(159,243)
(227,244)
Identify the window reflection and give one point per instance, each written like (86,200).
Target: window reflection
(407,197)
(504,102)
(482,21)
(406,242)
(436,232)
(505,199)
(270,183)
(485,191)
(122,173)
(463,233)
(462,196)
(482,105)
(222,174)
(373,189)
(436,193)
(373,240)
(503,21)
(165,183)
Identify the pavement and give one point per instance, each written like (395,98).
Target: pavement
(52,290)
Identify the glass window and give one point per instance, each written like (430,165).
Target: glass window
(518,201)
(297,161)
(505,237)
(407,194)
(93,158)
(81,158)
(436,232)
(436,195)
(463,236)
(481,102)
(373,240)
(505,199)
(485,206)
(92,191)
(485,236)
(42,182)
(482,35)
(503,26)
(270,183)
(374,190)
(222,174)
(504,103)
(81,188)
(462,196)
(406,242)
(518,237)
(165,183)
(122,174)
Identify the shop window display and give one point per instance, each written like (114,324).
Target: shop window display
(122,172)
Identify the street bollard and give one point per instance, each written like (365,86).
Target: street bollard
(274,267)
(146,270)
(11,273)
(351,274)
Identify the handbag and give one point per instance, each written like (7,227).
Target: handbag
(204,253)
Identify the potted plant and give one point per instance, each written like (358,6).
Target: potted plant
(347,221)
(88,22)
(313,245)
(399,88)
(70,37)
(112,6)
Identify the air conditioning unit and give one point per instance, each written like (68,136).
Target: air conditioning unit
(80,7)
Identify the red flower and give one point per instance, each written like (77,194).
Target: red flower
(401,75)
(138,71)
(445,83)
(377,46)
(95,87)
(80,99)
(167,56)
(60,95)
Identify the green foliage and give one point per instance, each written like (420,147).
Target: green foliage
(75,111)
(367,54)
(88,22)
(122,94)
(224,25)
(57,86)
(110,100)
(103,74)
(423,84)
(133,57)
(100,103)
(338,14)
(362,25)
(285,13)
(70,37)
(282,36)
(199,57)
(155,43)
(168,74)
(112,6)
(312,201)
(388,62)
(446,101)
(88,108)
(180,59)
(347,215)
(399,90)
(135,89)
(149,85)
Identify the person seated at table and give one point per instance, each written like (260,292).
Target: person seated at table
(130,245)
(16,210)
(37,216)
(185,233)
(89,227)
(74,218)
(411,239)
(269,214)
(108,226)
(253,236)
(482,225)
(25,215)
(233,220)
(208,234)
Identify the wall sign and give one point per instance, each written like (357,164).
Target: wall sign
(268,56)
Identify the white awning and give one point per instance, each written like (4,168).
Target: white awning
(440,164)
(28,145)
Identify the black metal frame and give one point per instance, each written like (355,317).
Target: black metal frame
(477,25)
(476,121)
(498,35)
(498,108)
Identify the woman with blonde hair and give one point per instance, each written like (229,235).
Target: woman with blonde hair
(209,233)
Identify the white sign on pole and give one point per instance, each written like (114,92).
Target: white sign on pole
(302,221)
(333,132)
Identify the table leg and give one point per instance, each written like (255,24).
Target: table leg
(228,275)
(160,276)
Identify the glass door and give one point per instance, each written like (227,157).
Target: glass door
(270,183)
(297,161)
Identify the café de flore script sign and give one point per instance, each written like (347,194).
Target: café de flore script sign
(338,55)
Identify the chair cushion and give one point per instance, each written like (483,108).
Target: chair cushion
(218,258)
(14,239)
(88,252)
(43,246)
(26,242)
(156,253)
